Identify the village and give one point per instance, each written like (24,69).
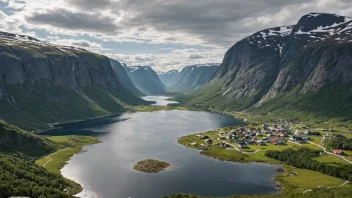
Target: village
(280,132)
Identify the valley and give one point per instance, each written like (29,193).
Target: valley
(273,119)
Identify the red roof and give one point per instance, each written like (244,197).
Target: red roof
(275,140)
(338,151)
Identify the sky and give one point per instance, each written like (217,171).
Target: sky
(164,34)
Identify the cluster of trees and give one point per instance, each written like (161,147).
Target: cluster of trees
(302,158)
(339,143)
(21,177)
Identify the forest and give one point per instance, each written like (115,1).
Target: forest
(19,176)
(339,143)
(302,158)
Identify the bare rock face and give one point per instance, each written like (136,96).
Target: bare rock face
(194,76)
(63,82)
(305,57)
(146,80)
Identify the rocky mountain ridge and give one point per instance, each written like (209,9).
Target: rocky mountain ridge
(146,80)
(169,78)
(194,76)
(300,60)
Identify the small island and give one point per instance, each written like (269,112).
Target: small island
(151,166)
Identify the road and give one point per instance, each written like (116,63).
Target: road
(50,159)
(330,153)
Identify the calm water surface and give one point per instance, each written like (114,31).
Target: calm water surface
(106,169)
(160,100)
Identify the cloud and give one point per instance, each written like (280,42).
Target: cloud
(9,23)
(199,22)
(214,25)
(176,59)
(195,56)
(78,22)
(79,43)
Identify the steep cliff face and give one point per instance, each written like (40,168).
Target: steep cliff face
(146,80)
(169,78)
(195,76)
(42,83)
(124,77)
(300,60)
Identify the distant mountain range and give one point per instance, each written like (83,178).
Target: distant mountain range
(146,80)
(298,68)
(124,78)
(193,77)
(169,78)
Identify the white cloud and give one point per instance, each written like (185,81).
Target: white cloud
(9,23)
(218,24)
(176,59)
(79,43)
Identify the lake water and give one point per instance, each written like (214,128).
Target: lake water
(160,100)
(106,169)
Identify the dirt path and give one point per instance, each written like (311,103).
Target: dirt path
(346,182)
(50,159)
(330,153)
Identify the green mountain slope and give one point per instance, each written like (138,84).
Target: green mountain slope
(41,83)
(301,71)
(16,140)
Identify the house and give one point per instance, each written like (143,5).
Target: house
(242,145)
(339,136)
(193,144)
(305,138)
(316,134)
(312,133)
(204,147)
(222,144)
(205,137)
(231,137)
(209,141)
(297,139)
(277,141)
(338,151)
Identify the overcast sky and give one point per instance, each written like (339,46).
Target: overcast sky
(165,34)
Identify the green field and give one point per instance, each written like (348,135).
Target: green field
(57,160)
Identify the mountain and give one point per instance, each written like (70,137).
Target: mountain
(124,77)
(169,78)
(304,67)
(42,83)
(195,76)
(13,140)
(146,80)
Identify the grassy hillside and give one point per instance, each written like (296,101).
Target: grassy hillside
(15,140)
(331,103)
(21,176)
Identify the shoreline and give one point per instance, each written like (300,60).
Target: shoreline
(66,155)
(55,125)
